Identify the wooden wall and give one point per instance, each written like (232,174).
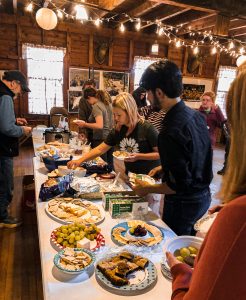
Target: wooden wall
(80,41)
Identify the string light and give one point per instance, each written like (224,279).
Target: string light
(178,44)
(59,14)
(29,7)
(214,50)
(138,25)
(196,50)
(97,22)
(233,47)
(122,27)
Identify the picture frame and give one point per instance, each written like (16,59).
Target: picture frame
(73,101)
(114,82)
(77,77)
(194,88)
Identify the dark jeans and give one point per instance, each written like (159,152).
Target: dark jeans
(182,211)
(108,156)
(6,185)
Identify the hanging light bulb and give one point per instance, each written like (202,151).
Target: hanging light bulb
(160,31)
(196,50)
(178,44)
(81,13)
(122,27)
(241,50)
(59,14)
(155,48)
(138,25)
(97,22)
(29,7)
(214,50)
(231,45)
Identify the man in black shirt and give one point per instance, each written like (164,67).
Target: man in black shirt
(185,151)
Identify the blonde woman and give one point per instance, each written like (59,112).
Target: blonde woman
(212,113)
(131,134)
(100,120)
(220,266)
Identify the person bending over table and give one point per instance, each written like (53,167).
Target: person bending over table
(185,151)
(131,134)
(220,264)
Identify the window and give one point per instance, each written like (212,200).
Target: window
(225,77)
(45,78)
(140,65)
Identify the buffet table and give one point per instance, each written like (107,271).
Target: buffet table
(60,286)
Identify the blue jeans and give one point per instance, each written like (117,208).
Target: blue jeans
(6,185)
(182,211)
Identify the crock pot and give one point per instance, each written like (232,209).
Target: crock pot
(56,134)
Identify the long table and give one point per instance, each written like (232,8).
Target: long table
(60,286)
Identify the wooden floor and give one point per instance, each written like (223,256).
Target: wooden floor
(20,271)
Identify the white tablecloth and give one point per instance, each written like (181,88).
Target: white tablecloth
(60,286)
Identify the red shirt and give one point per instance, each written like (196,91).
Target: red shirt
(214,119)
(219,272)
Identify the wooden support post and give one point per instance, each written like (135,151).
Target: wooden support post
(131,49)
(91,49)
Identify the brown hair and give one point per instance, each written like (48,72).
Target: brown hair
(104,97)
(234,180)
(209,94)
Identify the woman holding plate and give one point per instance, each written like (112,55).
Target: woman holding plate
(132,135)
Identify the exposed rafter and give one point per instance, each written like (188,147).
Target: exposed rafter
(185,5)
(143,8)
(110,4)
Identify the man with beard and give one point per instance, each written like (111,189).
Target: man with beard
(185,151)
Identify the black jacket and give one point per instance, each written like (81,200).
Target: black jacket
(9,145)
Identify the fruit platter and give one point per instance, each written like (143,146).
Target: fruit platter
(136,232)
(126,273)
(77,235)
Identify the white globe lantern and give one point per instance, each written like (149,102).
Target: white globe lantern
(241,60)
(46,18)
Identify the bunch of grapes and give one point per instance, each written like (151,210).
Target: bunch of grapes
(138,231)
(68,235)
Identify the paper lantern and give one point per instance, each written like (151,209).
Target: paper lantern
(46,18)
(241,60)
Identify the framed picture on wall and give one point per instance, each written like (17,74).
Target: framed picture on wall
(1,73)
(77,77)
(114,82)
(195,87)
(73,101)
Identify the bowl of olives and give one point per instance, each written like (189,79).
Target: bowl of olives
(184,248)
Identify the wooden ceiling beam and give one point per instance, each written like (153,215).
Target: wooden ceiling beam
(238,32)
(110,4)
(237,24)
(202,22)
(185,5)
(168,12)
(143,8)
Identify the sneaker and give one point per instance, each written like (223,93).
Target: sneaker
(10,222)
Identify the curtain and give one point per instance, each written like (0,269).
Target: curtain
(140,65)
(225,76)
(45,77)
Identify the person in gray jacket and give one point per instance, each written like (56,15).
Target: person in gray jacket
(11,128)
